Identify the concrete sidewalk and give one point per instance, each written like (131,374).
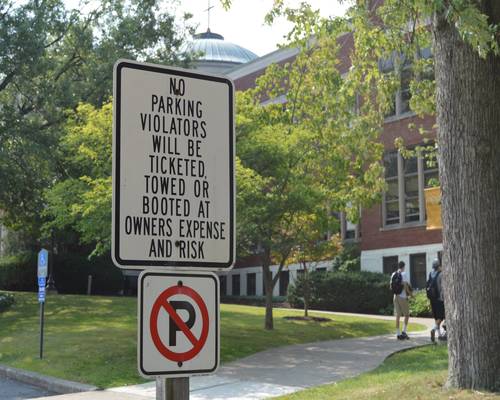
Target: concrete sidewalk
(277,371)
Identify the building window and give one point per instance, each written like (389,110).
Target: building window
(251,284)
(350,232)
(404,91)
(390,264)
(284,281)
(404,201)
(401,101)
(223,285)
(235,280)
(418,270)
(391,200)
(431,173)
(412,211)
(405,73)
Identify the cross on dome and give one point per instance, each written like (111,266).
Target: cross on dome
(208,15)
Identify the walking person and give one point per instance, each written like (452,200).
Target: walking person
(400,286)
(434,289)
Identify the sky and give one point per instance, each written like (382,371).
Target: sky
(243,23)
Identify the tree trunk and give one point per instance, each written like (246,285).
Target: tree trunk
(306,302)
(468,117)
(268,288)
(306,290)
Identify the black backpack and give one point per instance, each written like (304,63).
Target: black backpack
(432,287)
(397,283)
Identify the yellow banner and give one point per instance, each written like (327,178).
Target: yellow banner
(433,207)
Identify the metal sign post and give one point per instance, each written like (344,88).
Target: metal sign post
(178,334)
(42,307)
(172,389)
(43,262)
(174,209)
(177,388)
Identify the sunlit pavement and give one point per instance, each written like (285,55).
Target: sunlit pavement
(278,371)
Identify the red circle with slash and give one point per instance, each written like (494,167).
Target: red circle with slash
(162,302)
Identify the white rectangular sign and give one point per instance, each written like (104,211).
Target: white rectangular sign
(173,168)
(178,317)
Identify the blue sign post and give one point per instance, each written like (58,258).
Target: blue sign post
(43,263)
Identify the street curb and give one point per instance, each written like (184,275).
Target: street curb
(49,383)
(418,346)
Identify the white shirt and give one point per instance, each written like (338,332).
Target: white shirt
(404,275)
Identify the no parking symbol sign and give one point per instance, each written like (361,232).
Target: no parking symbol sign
(178,324)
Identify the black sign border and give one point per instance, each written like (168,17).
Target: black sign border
(122,263)
(141,326)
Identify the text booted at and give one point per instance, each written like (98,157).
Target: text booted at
(173,168)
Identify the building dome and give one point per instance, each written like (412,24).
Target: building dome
(213,54)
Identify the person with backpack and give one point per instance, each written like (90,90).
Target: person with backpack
(400,286)
(434,289)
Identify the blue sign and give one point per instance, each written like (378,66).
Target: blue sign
(41,296)
(42,282)
(43,262)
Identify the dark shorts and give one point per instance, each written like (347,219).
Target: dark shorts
(437,309)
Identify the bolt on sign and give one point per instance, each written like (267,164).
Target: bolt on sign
(179,324)
(173,168)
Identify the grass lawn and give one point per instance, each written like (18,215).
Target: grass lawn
(92,339)
(410,375)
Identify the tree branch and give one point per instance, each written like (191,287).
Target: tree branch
(10,76)
(66,66)
(284,257)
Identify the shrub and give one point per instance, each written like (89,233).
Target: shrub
(251,300)
(296,292)
(72,271)
(420,305)
(353,265)
(389,310)
(294,295)
(6,300)
(349,260)
(361,292)
(18,272)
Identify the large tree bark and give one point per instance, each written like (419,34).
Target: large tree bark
(268,288)
(468,116)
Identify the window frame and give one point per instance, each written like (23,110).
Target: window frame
(401,179)
(389,66)
(251,283)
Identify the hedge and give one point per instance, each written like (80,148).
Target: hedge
(6,300)
(358,292)
(71,271)
(252,300)
(18,272)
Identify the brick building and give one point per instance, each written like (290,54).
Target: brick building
(392,231)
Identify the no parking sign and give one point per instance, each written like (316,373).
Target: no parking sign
(179,324)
